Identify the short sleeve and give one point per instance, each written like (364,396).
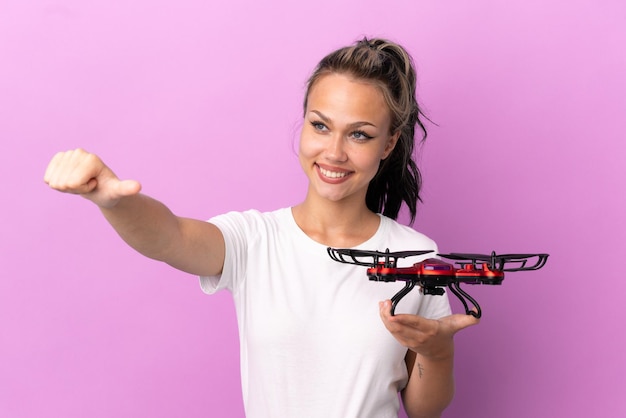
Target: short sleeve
(235,228)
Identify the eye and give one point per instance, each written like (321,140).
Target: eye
(319,126)
(361,136)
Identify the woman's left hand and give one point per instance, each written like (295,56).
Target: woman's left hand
(431,338)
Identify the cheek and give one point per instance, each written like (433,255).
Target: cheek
(304,151)
(368,159)
(366,165)
(307,147)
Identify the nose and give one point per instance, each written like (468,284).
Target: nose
(335,148)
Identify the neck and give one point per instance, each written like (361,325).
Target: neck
(336,224)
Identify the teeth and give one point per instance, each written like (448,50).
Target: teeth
(332,174)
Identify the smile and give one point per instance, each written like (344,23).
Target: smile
(332,174)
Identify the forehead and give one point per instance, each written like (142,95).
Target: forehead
(345,96)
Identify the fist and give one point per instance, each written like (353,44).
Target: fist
(82,173)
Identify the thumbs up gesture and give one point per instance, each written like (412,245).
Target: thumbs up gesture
(85,174)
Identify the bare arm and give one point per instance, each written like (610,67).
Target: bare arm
(147,225)
(430,358)
(431,385)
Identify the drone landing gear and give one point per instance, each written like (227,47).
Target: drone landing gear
(455,288)
(464,297)
(402,293)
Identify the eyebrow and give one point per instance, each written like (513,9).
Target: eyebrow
(352,125)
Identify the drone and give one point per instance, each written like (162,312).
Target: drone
(434,274)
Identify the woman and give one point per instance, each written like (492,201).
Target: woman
(312,341)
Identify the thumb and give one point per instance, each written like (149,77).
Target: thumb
(461,321)
(128,188)
(107,193)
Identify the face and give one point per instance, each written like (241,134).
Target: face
(346,134)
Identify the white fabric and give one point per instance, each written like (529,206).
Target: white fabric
(312,341)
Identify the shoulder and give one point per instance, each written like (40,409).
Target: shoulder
(402,237)
(251,221)
(251,216)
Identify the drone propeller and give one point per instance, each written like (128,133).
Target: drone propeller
(466,256)
(522,260)
(348,256)
(353,256)
(498,261)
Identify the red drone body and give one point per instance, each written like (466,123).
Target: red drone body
(437,271)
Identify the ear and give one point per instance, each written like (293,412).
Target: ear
(391,144)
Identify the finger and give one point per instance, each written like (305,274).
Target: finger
(57,170)
(72,172)
(51,168)
(389,321)
(402,325)
(461,321)
(128,188)
(400,319)
(384,309)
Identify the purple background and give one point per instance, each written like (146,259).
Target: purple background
(200,101)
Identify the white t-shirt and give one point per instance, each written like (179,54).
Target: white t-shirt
(312,341)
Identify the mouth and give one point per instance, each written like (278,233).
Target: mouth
(333,174)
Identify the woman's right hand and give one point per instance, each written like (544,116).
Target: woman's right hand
(82,173)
